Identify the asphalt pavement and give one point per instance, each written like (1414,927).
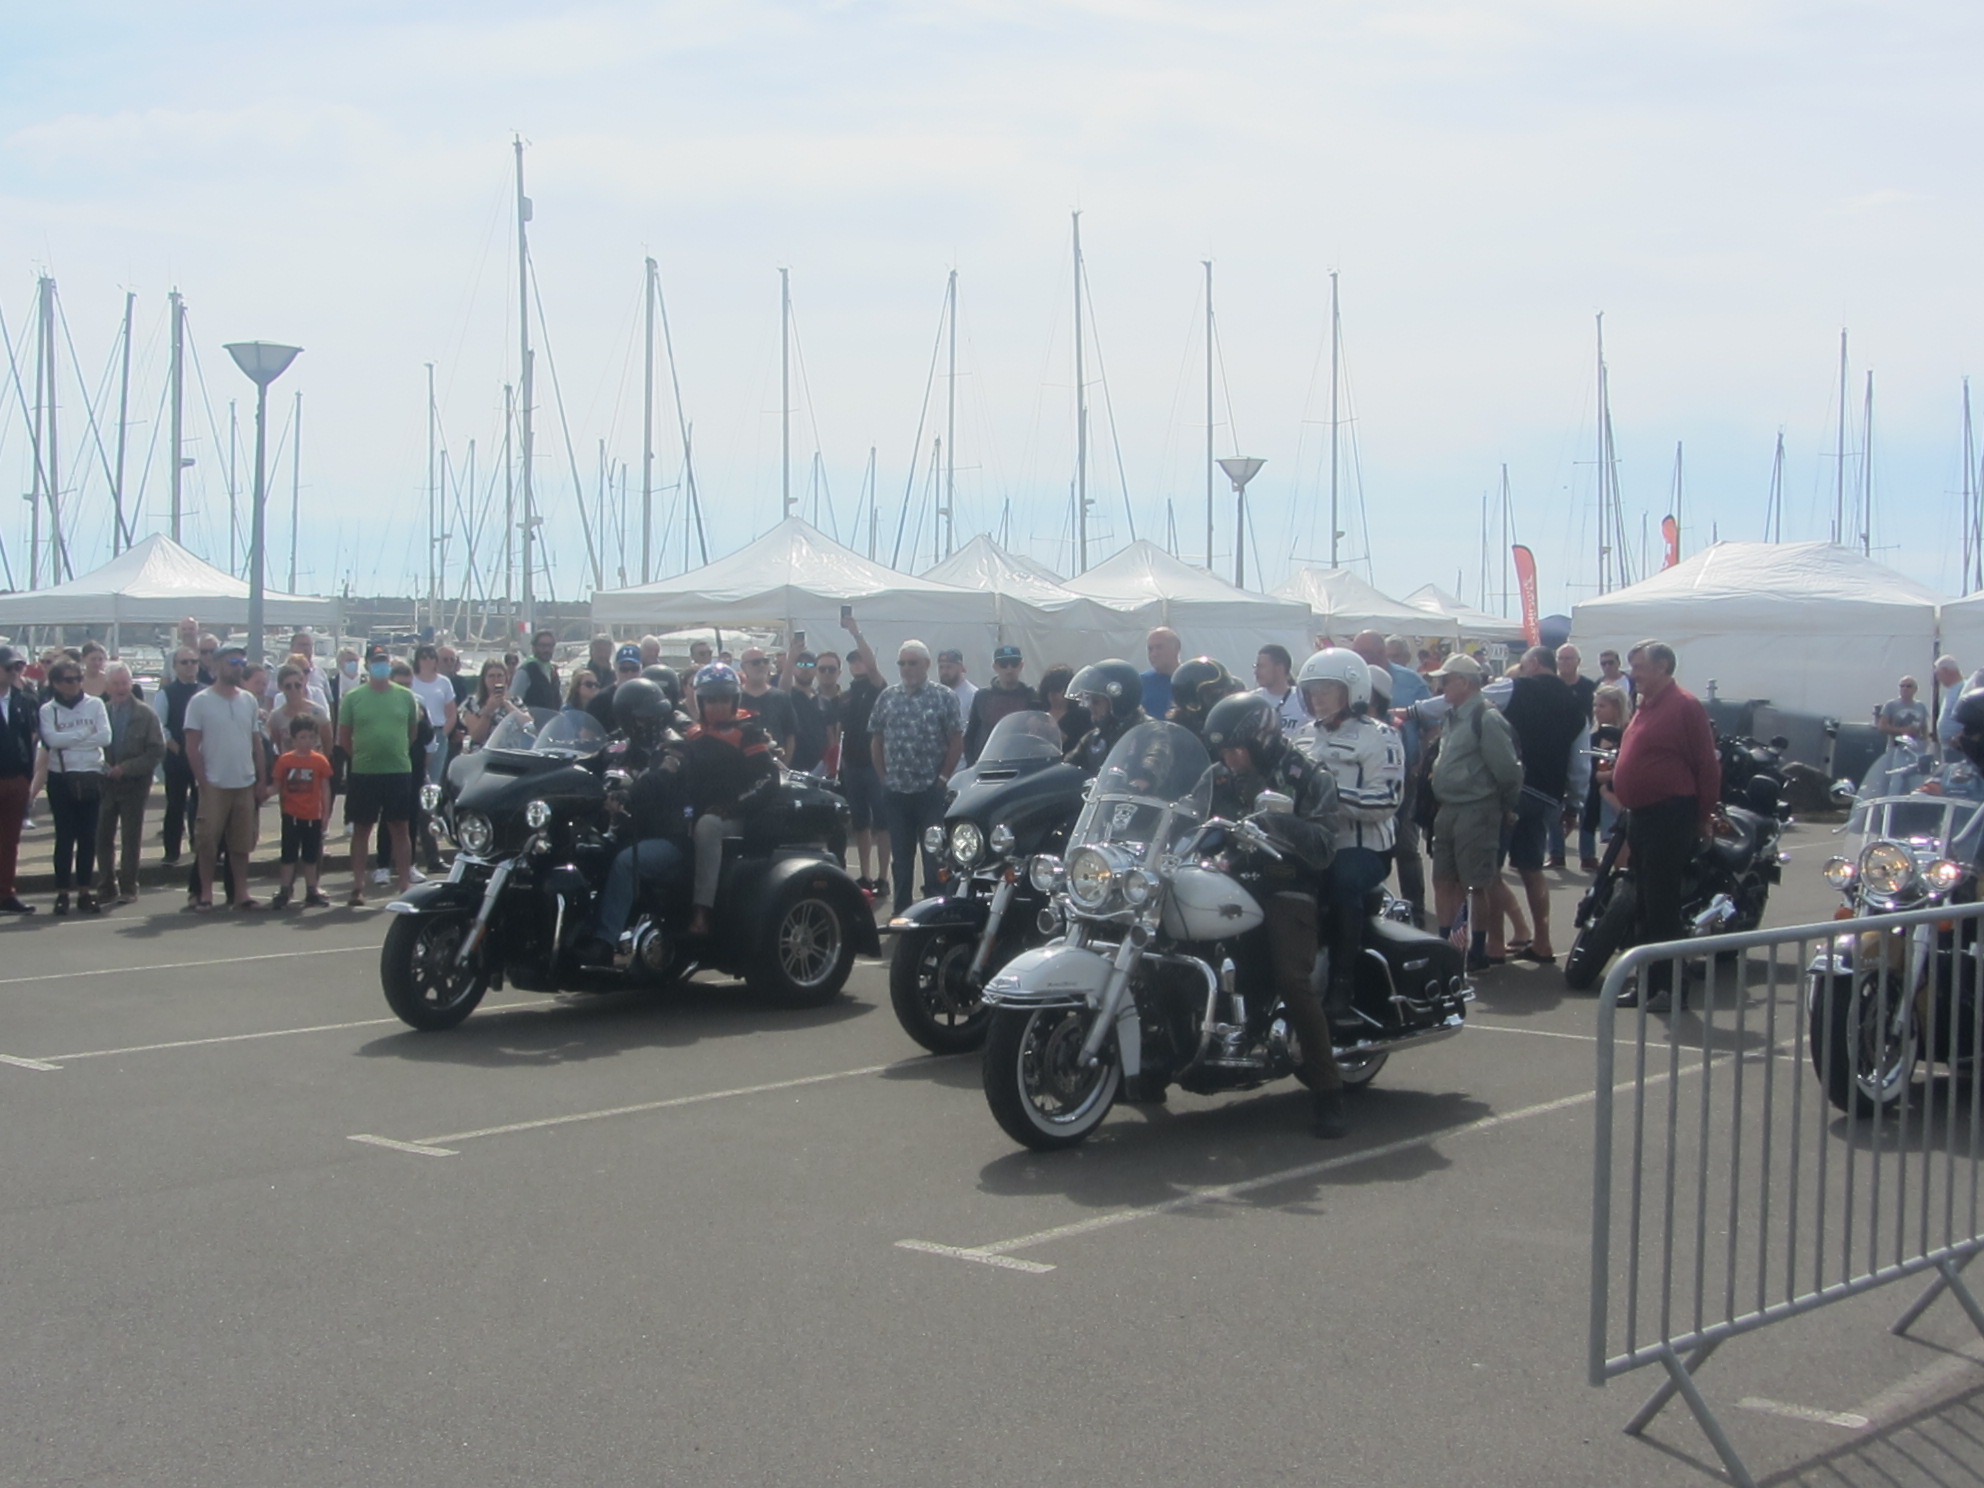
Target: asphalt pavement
(257,1232)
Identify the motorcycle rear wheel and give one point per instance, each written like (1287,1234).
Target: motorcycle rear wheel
(1035,1084)
(804,952)
(932,992)
(417,969)
(1601,938)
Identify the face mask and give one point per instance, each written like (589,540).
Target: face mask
(351,669)
(380,670)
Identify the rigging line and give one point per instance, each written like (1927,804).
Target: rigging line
(27,408)
(813,421)
(151,452)
(916,449)
(89,408)
(571,456)
(682,425)
(207,403)
(498,212)
(1108,407)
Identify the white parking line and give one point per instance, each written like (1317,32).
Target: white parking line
(33,1064)
(56,1061)
(101,971)
(438,1146)
(1848,1419)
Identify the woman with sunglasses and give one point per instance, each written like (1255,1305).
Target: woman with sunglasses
(295,701)
(492,701)
(75,730)
(584,688)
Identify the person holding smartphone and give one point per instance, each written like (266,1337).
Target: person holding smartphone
(481,713)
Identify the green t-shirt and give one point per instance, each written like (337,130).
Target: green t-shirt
(381,724)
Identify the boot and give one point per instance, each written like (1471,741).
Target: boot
(1327,1118)
(1346,933)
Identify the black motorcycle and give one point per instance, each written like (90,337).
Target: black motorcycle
(529,815)
(1018,800)
(1753,774)
(1726,888)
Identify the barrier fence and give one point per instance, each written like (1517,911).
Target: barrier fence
(1731,1190)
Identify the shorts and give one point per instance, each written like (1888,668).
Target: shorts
(1529,838)
(376,798)
(302,841)
(1465,839)
(864,797)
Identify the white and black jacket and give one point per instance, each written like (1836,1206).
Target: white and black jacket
(1368,763)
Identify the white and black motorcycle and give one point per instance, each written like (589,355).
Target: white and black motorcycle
(1143,981)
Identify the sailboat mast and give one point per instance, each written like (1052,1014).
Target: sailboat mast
(647,426)
(40,440)
(528,530)
(785,392)
(58,552)
(1604,467)
(1969,582)
(1336,334)
(176,392)
(1839,453)
(1674,504)
(1867,472)
(1774,517)
(1209,423)
(1508,537)
(295,483)
(509,504)
(118,531)
(1081,418)
(873,517)
(233,514)
(951,428)
(433,496)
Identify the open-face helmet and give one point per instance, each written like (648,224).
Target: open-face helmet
(1244,721)
(1337,664)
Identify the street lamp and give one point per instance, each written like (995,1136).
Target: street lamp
(263,362)
(1240,469)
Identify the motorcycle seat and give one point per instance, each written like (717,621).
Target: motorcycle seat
(1741,842)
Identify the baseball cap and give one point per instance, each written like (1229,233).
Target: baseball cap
(1460,664)
(950,653)
(628,653)
(1006,653)
(10,658)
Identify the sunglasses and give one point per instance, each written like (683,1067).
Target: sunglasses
(292,686)
(63,679)
(1002,665)
(588,685)
(831,671)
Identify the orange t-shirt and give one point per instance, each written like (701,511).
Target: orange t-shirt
(300,781)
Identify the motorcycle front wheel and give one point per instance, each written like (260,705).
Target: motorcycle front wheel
(418,971)
(1601,938)
(1865,1041)
(1035,1082)
(932,992)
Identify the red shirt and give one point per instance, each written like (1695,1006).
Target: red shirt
(300,780)
(1668,751)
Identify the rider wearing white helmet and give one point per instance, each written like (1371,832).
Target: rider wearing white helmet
(1368,763)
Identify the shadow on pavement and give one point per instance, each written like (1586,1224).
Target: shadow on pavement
(952,1071)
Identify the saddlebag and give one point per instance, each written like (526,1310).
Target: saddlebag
(1422,966)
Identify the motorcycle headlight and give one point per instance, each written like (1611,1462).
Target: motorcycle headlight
(1043,871)
(967,843)
(1138,885)
(473,833)
(1002,839)
(1944,874)
(1091,878)
(430,797)
(537,815)
(1887,868)
(1839,872)
(933,840)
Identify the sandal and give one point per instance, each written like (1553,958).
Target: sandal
(354,900)
(201,906)
(1528,953)
(247,905)
(315,900)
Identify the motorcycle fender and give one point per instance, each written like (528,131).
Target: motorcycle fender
(1052,976)
(853,904)
(942,914)
(435,897)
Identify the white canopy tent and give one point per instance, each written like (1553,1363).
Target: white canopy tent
(796,577)
(1047,621)
(157,582)
(1472,624)
(1212,617)
(1344,604)
(1962,626)
(1810,626)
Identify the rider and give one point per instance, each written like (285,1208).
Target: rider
(1195,687)
(1368,763)
(1244,732)
(1963,776)
(729,763)
(1113,691)
(656,831)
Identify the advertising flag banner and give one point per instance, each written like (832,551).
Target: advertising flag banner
(1671,531)
(1526,582)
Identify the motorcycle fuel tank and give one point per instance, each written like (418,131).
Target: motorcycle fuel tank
(1205,904)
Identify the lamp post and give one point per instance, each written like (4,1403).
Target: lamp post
(263,362)
(1240,469)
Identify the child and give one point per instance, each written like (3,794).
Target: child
(303,783)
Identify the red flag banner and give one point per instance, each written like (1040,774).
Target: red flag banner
(1671,530)
(1526,582)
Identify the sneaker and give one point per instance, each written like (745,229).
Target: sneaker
(1556,862)
(382,875)
(315,899)
(62,902)
(86,903)
(881,888)
(14,904)
(1587,865)
(281,899)
(414,875)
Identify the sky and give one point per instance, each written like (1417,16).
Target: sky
(1731,185)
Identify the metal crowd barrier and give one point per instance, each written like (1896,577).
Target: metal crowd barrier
(1744,1196)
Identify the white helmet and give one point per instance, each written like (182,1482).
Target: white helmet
(1336,664)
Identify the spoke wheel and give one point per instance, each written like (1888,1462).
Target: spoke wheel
(1866,1041)
(423,982)
(1039,1090)
(804,951)
(932,991)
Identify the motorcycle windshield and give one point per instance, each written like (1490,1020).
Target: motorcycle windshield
(518,728)
(1948,826)
(570,732)
(1152,791)
(1021,739)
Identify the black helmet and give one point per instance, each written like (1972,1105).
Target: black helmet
(1244,721)
(1969,717)
(1196,686)
(664,677)
(1116,682)
(641,709)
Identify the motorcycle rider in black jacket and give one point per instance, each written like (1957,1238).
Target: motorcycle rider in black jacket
(1113,691)
(1244,733)
(654,828)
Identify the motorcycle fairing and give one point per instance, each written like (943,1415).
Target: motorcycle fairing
(435,896)
(943,913)
(1061,975)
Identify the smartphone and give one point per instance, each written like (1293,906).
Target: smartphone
(799,640)
(846,613)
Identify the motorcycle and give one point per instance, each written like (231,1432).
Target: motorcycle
(1726,888)
(1753,774)
(529,814)
(1881,1002)
(1154,895)
(1017,800)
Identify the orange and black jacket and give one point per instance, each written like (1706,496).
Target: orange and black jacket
(727,764)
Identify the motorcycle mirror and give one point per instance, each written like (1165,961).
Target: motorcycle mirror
(1274,803)
(1843,793)
(1779,742)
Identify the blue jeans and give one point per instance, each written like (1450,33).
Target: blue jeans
(1354,872)
(909,813)
(655,861)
